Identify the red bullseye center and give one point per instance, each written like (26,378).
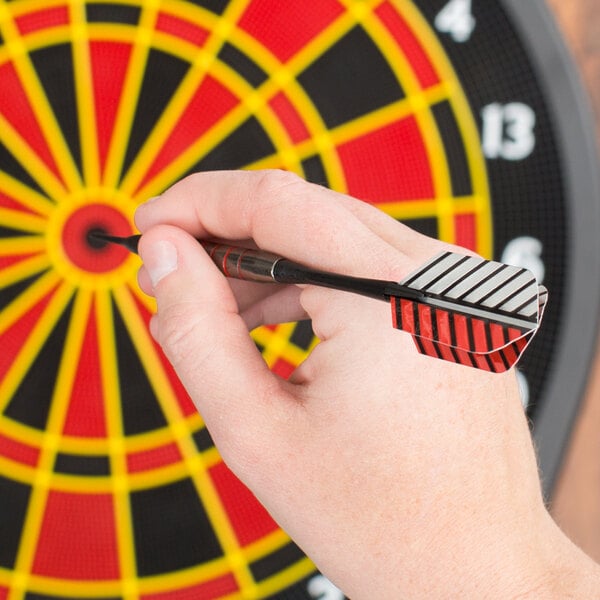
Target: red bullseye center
(85,252)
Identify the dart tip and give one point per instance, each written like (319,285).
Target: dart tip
(97,238)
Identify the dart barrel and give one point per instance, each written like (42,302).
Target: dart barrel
(242,263)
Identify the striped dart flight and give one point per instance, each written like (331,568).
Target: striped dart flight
(473,311)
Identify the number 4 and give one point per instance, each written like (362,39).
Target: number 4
(456,20)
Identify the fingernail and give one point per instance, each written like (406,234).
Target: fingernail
(160,260)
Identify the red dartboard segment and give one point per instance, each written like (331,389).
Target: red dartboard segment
(287,27)
(465,231)
(14,204)
(388,164)
(42,19)
(154,458)
(85,415)
(283,368)
(11,261)
(19,452)
(16,109)
(289,117)
(221,587)
(109,61)
(250,520)
(182,29)
(90,528)
(13,337)
(408,41)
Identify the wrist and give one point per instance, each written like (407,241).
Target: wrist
(562,571)
(540,563)
(513,561)
(533,563)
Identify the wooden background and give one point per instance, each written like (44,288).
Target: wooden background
(576,500)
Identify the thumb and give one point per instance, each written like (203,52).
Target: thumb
(202,334)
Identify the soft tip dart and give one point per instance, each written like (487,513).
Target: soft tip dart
(459,308)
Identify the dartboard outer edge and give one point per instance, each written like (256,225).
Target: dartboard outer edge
(576,344)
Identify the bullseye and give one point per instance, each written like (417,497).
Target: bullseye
(88,253)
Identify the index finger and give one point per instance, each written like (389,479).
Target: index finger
(282,214)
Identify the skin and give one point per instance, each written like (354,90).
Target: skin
(400,475)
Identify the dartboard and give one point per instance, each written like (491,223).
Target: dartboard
(460,118)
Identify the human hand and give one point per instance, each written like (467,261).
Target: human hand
(400,475)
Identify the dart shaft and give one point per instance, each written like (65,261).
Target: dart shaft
(257,265)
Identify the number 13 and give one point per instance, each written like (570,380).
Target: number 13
(508,130)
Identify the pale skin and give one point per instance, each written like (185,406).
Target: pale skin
(400,475)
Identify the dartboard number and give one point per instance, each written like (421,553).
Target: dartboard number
(508,130)
(457,20)
(525,251)
(320,588)
(523,388)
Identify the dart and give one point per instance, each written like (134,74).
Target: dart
(458,308)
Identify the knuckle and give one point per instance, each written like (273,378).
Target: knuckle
(271,182)
(271,190)
(192,180)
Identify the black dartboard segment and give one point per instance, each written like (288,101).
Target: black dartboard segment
(457,117)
